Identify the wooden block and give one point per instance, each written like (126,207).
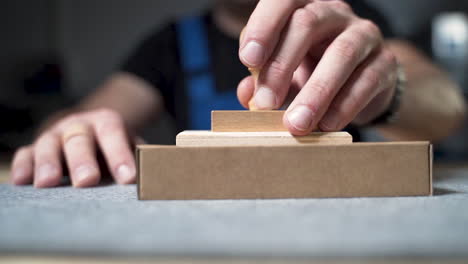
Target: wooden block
(210,138)
(255,73)
(247,121)
(296,171)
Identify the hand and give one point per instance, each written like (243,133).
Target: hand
(332,63)
(76,139)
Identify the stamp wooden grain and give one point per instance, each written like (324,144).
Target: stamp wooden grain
(247,121)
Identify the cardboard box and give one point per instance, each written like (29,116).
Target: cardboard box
(299,171)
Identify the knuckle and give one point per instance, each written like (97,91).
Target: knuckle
(22,153)
(107,114)
(347,49)
(75,140)
(108,128)
(306,18)
(390,69)
(23,150)
(107,121)
(340,5)
(322,89)
(320,86)
(353,102)
(372,78)
(46,138)
(72,118)
(369,27)
(344,107)
(389,58)
(279,68)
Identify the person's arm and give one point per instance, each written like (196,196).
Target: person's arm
(136,100)
(105,121)
(432,105)
(119,93)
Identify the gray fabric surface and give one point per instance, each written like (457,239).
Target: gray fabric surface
(109,220)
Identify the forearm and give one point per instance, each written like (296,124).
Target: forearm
(432,106)
(135,100)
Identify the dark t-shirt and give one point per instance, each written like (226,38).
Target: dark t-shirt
(157,60)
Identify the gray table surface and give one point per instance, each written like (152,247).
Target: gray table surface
(109,220)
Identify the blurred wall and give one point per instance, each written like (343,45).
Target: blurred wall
(410,16)
(27,29)
(95,36)
(91,37)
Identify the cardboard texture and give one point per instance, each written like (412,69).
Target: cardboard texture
(247,121)
(300,171)
(209,138)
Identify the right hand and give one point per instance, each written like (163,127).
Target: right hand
(76,139)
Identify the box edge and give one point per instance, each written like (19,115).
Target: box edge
(138,171)
(431,170)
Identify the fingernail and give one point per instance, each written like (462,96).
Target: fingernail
(83,175)
(125,174)
(44,172)
(265,98)
(300,117)
(330,122)
(253,54)
(252,105)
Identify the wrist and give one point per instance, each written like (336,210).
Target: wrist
(391,112)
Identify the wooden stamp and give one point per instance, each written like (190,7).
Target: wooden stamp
(247,121)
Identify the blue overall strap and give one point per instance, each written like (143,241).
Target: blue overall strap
(201,91)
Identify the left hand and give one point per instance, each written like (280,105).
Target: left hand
(333,64)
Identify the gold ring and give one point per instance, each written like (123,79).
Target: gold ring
(74,130)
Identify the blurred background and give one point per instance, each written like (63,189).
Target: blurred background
(54,52)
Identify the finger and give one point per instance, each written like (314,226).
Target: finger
(308,27)
(114,143)
(263,30)
(22,166)
(303,72)
(376,75)
(80,154)
(47,161)
(345,53)
(300,77)
(245,90)
(246,87)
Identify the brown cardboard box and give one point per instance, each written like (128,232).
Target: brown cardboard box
(299,171)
